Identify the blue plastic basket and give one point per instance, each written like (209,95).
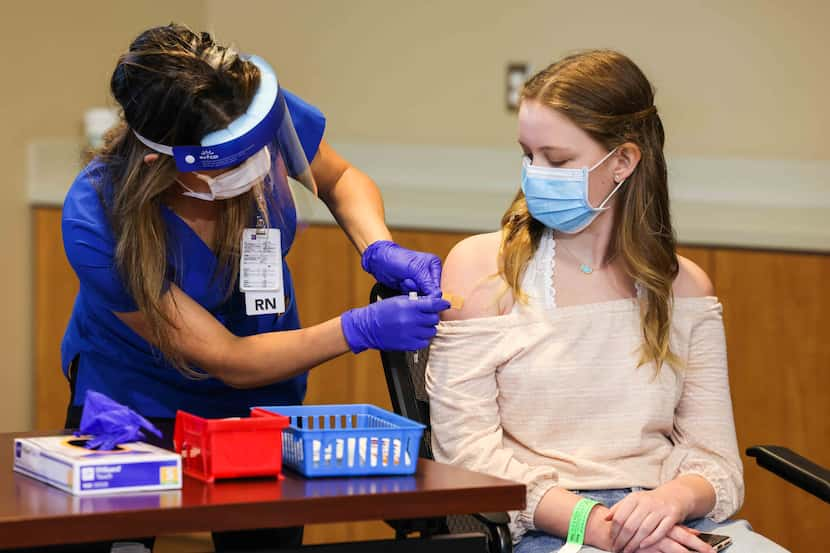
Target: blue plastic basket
(348,440)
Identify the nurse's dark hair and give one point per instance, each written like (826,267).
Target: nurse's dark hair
(174,86)
(606,95)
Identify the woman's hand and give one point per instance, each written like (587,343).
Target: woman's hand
(393,324)
(403,269)
(643,519)
(679,540)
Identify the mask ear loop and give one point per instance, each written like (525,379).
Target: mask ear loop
(609,196)
(192,193)
(600,162)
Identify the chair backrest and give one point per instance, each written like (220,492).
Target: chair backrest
(404,372)
(405,379)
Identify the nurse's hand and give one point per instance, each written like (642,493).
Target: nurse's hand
(403,269)
(393,324)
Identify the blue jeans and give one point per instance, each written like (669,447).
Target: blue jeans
(744,540)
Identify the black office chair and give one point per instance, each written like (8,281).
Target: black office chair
(405,378)
(793,468)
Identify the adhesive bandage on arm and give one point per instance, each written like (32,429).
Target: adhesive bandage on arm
(456,302)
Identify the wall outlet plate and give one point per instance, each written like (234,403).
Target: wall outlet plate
(515,77)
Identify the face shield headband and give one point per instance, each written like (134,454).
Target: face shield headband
(265,121)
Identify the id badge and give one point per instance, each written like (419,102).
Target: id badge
(260,271)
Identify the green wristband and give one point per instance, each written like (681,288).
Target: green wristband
(579,520)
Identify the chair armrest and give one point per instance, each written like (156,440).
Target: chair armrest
(493,518)
(793,468)
(500,539)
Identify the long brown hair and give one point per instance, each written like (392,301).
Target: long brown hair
(173,86)
(605,94)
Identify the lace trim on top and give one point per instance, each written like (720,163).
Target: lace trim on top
(547,262)
(538,280)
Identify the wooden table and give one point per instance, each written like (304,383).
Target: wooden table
(35,514)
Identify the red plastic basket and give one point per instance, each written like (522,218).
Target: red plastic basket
(229,448)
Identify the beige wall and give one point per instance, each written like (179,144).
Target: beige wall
(735,79)
(56,62)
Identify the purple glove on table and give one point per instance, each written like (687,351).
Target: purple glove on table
(393,324)
(403,269)
(111,423)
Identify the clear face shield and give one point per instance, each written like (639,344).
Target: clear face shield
(260,146)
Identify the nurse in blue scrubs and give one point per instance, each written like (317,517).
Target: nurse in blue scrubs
(178,230)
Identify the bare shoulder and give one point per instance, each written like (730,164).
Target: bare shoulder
(471,273)
(692,281)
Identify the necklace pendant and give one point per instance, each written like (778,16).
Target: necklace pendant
(585,269)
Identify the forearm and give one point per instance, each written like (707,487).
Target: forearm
(262,359)
(241,362)
(356,204)
(553,515)
(695,494)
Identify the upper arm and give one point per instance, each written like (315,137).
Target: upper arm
(471,272)
(327,167)
(89,242)
(691,281)
(704,428)
(90,251)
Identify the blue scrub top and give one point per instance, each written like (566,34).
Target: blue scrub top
(114,360)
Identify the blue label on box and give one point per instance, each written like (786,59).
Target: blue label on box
(128,475)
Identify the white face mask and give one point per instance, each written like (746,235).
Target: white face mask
(236,181)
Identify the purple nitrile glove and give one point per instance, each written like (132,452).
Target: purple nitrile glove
(393,324)
(111,423)
(403,269)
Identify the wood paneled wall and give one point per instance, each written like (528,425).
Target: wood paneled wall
(777,315)
(55,289)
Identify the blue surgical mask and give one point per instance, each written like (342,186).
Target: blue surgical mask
(558,197)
